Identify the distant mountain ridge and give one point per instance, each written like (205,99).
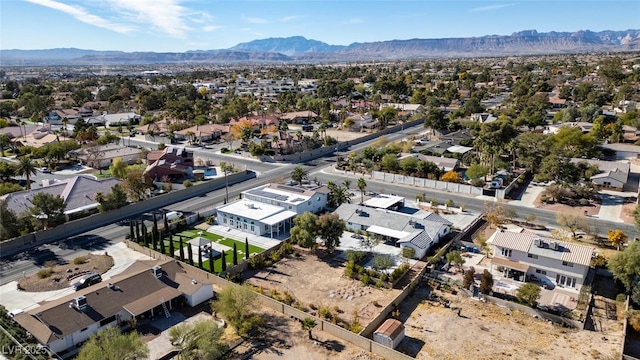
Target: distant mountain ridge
(300,49)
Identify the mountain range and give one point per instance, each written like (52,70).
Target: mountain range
(298,49)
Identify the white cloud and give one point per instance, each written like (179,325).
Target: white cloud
(490,7)
(166,16)
(290,18)
(254,20)
(354,21)
(210,28)
(83,15)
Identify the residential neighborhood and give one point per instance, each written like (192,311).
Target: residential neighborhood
(376,210)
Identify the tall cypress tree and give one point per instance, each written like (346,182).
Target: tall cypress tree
(224,262)
(172,250)
(235,254)
(144,235)
(138,239)
(212,261)
(181,249)
(190,254)
(162,248)
(154,232)
(167,230)
(246,248)
(132,235)
(200,265)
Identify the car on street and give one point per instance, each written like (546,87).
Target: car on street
(44,169)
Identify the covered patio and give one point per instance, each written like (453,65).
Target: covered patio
(280,222)
(510,269)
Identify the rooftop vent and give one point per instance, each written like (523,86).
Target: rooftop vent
(156,271)
(79,303)
(194,281)
(539,242)
(554,245)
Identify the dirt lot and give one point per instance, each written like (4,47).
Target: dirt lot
(340,135)
(626,214)
(487,331)
(320,282)
(57,278)
(283,338)
(591,210)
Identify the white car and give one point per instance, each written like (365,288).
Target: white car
(44,169)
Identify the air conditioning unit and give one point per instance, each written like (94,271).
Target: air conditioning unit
(554,245)
(156,271)
(79,303)
(539,242)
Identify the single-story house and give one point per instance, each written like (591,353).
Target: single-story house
(78,192)
(144,290)
(203,133)
(420,230)
(390,333)
(444,163)
(298,117)
(623,151)
(483,117)
(613,174)
(409,108)
(102,156)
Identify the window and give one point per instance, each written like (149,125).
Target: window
(543,272)
(224,220)
(108,320)
(245,226)
(231,222)
(266,227)
(567,264)
(533,256)
(252,229)
(506,252)
(309,202)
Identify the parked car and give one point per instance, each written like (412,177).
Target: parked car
(44,169)
(86,281)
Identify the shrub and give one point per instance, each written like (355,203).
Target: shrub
(45,273)
(187,184)
(379,284)
(210,220)
(544,198)
(257,261)
(365,279)
(583,202)
(355,327)
(621,298)
(449,203)
(80,260)
(384,277)
(287,298)
(408,252)
(313,306)
(325,312)
(355,256)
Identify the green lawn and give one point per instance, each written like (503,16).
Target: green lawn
(190,234)
(106,173)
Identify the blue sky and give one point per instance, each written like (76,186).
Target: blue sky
(180,25)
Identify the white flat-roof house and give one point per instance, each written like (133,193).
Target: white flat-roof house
(525,256)
(420,230)
(269,209)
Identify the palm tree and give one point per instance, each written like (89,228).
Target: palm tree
(226,168)
(307,325)
(347,183)
(361,185)
(339,196)
(4,141)
(27,168)
(275,140)
(298,174)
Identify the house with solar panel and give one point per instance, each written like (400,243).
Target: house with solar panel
(269,209)
(524,256)
(420,230)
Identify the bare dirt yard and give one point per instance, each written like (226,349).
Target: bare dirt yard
(283,338)
(317,283)
(57,276)
(626,214)
(487,331)
(592,209)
